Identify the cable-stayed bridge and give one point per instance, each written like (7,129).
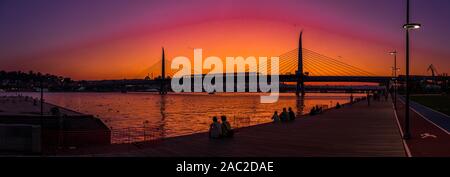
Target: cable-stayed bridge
(297,65)
(315,66)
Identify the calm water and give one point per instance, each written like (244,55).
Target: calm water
(181,114)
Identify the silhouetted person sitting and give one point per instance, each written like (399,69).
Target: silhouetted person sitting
(215,129)
(284,115)
(291,114)
(313,111)
(318,109)
(227,131)
(275,117)
(338,106)
(55,111)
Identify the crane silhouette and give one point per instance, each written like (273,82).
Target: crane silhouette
(433,70)
(434,73)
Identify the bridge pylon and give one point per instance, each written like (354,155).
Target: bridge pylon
(300,74)
(162,90)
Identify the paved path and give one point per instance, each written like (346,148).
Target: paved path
(355,130)
(428,139)
(439,119)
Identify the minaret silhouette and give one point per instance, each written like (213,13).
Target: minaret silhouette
(300,77)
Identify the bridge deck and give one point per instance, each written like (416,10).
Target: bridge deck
(356,130)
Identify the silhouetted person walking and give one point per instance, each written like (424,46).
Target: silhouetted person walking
(386,95)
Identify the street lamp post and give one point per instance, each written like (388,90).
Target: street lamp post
(408,26)
(395,77)
(42,98)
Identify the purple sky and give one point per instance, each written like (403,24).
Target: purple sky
(29,27)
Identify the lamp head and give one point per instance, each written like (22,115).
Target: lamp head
(393,53)
(411,26)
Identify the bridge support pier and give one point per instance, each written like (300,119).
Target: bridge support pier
(300,91)
(300,104)
(162,90)
(300,76)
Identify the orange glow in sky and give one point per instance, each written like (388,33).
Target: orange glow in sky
(123,41)
(129,56)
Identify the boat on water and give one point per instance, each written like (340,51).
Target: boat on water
(151,90)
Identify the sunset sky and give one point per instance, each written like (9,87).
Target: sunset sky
(116,39)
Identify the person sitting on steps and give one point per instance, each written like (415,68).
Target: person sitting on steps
(227,131)
(291,114)
(275,117)
(215,129)
(284,117)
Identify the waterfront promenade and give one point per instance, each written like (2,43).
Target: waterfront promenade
(354,130)
(19,113)
(27,106)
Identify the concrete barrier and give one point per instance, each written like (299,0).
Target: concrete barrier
(20,138)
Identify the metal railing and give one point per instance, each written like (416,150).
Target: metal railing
(134,134)
(144,133)
(129,134)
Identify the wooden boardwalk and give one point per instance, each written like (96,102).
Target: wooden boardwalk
(355,130)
